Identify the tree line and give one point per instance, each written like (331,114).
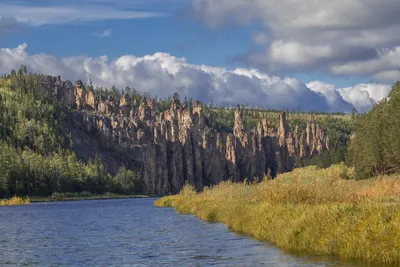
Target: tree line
(375,147)
(35,154)
(36,157)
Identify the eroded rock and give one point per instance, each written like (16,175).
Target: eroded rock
(182,145)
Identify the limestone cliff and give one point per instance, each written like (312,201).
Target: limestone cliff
(181,145)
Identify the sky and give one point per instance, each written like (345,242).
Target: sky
(315,55)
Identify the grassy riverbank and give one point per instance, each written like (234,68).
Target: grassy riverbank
(14,201)
(321,211)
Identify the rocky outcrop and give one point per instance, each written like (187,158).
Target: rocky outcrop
(181,145)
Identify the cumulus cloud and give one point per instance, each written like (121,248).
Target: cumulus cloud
(162,74)
(364,96)
(361,96)
(294,54)
(332,95)
(339,36)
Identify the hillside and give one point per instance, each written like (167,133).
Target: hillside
(62,137)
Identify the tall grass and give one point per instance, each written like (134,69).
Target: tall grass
(321,211)
(14,201)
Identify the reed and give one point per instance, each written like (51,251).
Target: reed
(14,201)
(321,211)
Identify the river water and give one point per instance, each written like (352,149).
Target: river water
(129,232)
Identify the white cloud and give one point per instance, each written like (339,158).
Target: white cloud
(343,37)
(70,14)
(162,74)
(297,54)
(105,33)
(331,94)
(360,99)
(361,96)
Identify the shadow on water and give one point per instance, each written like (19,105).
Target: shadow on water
(132,232)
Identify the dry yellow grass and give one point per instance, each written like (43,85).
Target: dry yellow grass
(14,201)
(320,211)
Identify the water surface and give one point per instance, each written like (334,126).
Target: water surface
(129,232)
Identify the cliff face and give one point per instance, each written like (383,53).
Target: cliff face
(181,144)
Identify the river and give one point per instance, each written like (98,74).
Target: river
(129,232)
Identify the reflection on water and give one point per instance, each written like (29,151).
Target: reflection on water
(130,232)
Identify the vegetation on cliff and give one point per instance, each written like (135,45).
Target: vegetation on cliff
(35,153)
(60,137)
(321,211)
(338,127)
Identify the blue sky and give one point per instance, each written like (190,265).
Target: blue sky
(276,40)
(173,33)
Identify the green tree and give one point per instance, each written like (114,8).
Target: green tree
(128,181)
(375,149)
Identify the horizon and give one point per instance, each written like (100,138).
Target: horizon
(211,105)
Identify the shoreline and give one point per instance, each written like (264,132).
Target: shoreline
(19,201)
(310,210)
(94,197)
(295,240)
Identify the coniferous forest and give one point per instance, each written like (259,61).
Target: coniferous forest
(37,156)
(35,152)
(375,147)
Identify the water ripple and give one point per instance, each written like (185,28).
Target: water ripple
(129,233)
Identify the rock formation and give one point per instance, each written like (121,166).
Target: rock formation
(181,145)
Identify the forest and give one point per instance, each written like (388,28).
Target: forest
(35,154)
(36,158)
(375,147)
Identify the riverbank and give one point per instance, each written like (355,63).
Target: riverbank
(79,198)
(319,211)
(14,201)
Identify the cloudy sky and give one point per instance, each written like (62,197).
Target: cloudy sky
(310,54)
